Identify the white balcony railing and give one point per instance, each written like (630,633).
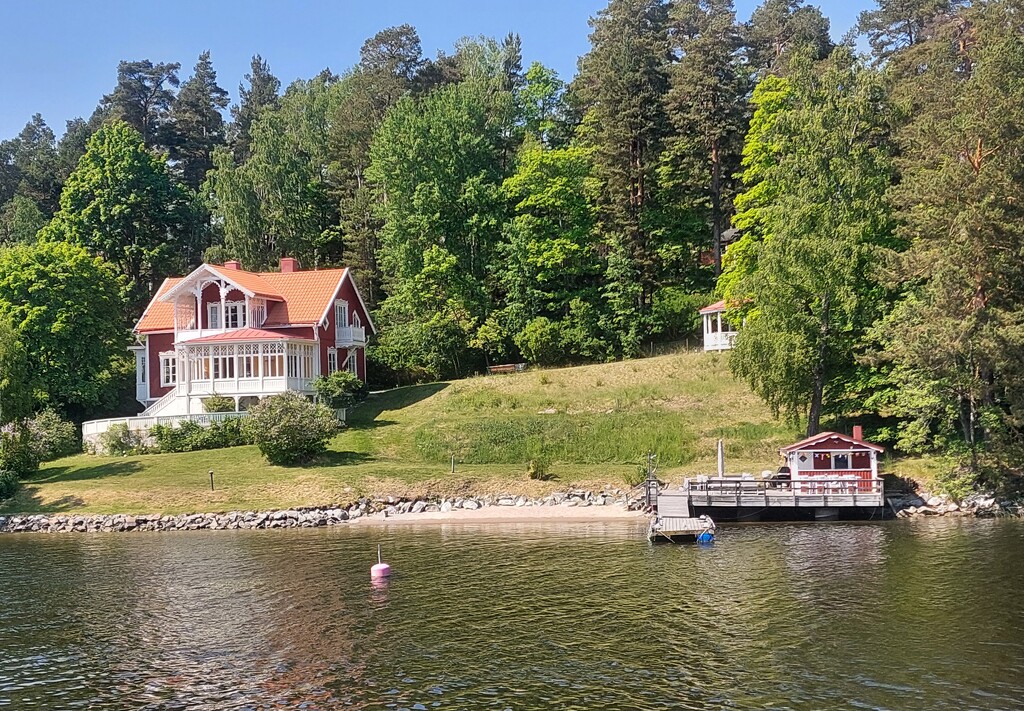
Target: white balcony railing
(721,341)
(350,336)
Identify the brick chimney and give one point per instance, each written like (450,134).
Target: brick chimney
(232,264)
(858,432)
(289,265)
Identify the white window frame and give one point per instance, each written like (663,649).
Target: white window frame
(341,319)
(234,311)
(142,370)
(168,366)
(213,314)
(332,360)
(353,362)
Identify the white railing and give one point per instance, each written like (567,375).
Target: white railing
(95,427)
(350,336)
(156,407)
(851,482)
(245,386)
(721,341)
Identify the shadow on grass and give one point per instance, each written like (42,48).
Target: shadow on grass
(331,458)
(53,475)
(365,415)
(27,501)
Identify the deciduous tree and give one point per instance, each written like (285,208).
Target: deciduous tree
(68,311)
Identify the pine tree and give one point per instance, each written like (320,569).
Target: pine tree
(956,337)
(261,94)
(898,24)
(142,98)
(197,125)
(623,83)
(779,27)
(707,108)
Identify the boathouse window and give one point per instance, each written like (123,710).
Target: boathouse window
(841,461)
(168,370)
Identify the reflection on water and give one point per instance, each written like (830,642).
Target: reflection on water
(900,615)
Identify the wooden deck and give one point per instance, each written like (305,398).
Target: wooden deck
(735,492)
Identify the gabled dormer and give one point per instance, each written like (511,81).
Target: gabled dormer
(218,298)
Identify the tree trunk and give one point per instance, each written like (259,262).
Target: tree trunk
(818,375)
(716,205)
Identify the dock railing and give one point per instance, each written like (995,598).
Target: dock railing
(840,490)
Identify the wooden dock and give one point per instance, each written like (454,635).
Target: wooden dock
(741,498)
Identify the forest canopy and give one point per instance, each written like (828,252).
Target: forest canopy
(858,212)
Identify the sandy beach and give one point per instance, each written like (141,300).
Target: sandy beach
(506,514)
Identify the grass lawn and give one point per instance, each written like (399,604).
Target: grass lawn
(591,424)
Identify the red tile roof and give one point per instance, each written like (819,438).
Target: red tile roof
(714,308)
(824,436)
(301,297)
(242,334)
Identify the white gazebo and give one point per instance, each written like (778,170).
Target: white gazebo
(719,334)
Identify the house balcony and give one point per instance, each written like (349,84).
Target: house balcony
(245,386)
(348,336)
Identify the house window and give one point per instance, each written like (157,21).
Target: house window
(168,370)
(332,360)
(341,314)
(234,315)
(353,362)
(142,369)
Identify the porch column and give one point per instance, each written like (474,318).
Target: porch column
(223,313)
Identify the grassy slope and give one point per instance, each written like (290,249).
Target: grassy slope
(592,423)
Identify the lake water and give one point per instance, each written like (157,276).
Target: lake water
(900,615)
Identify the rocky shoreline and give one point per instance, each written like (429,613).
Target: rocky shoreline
(308,517)
(906,506)
(977,505)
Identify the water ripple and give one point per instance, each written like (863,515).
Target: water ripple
(900,615)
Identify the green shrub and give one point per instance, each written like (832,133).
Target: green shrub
(120,441)
(52,437)
(537,469)
(16,451)
(635,477)
(8,483)
(676,313)
(540,342)
(218,403)
(340,390)
(290,429)
(191,437)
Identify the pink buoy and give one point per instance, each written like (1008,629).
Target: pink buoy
(380,570)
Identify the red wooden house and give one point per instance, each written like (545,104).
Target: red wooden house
(225,331)
(831,462)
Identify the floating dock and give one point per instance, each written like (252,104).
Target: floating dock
(673,522)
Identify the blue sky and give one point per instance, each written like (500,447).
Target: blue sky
(58,57)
